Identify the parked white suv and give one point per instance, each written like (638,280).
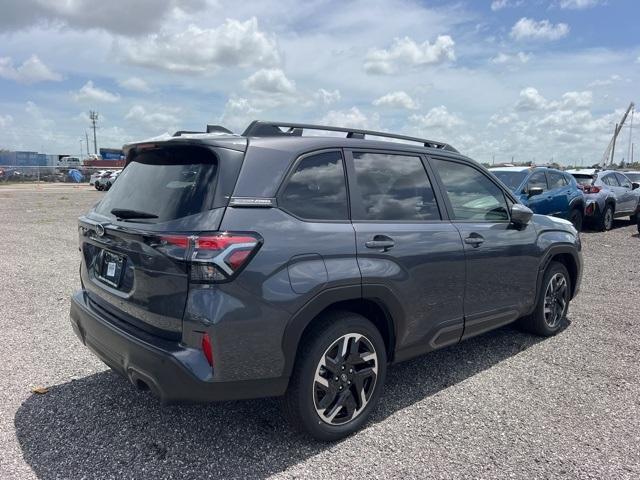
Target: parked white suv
(95,176)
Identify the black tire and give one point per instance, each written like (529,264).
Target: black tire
(576,218)
(606,219)
(302,404)
(633,218)
(544,323)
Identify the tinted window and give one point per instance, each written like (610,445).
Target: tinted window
(610,180)
(624,181)
(568,179)
(394,187)
(317,190)
(585,180)
(537,180)
(633,176)
(556,180)
(170,183)
(510,178)
(472,194)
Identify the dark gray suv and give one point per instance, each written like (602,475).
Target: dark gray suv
(276,263)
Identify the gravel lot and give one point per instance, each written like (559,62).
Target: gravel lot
(504,405)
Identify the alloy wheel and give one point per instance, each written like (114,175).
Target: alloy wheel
(345,379)
(555,300)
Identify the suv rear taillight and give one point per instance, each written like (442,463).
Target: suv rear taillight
(213,257)
(589,188)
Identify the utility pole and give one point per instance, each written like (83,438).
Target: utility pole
(86,136)
(93,116)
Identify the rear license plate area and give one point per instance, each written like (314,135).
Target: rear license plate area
(110,268)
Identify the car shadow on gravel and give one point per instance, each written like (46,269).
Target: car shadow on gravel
(100,426)
(617,223)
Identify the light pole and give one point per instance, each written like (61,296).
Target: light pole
(80,149)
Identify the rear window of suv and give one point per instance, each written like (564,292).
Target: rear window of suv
(166,183)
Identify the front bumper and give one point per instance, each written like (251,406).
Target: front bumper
(173,372)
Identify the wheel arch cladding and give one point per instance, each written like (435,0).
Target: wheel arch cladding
(307,319)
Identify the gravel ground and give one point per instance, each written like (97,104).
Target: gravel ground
(503,405)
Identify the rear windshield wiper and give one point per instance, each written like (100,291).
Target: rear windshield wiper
(126,213)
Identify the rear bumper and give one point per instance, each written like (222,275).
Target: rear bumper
(173,372)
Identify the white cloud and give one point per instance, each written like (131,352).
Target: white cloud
(577,99)
(506,58)
(352,117)
(529,29)
(238,113)
(157,119)
(437,117)
(205,50)
(89,93)
(270,80)
(531,99)
(406,53)
(5,121)
(135,84)
(578,4)
(40,120)
(326,97)
(141,16)
(31,71)
(502,119)
(500,4)
(397,99)
(603,82)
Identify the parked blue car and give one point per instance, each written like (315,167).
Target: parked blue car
(546,191)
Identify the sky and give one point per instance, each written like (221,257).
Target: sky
(529,80)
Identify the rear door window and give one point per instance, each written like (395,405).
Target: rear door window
(393,187)
(316,190)
(164,184)
(610,179)
(555,180)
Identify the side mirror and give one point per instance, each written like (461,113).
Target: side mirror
(533,191)
(520,215)
(635,185)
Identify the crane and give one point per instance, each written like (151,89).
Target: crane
(612,144)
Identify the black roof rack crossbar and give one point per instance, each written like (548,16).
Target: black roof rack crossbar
(259,128)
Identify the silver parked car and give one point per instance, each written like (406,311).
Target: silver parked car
(608,194)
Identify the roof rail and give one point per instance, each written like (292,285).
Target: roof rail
(259,128)
(210,129)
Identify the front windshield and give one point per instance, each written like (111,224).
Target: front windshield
(511,179)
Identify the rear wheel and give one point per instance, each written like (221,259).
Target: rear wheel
(606,220)
(337,378)
(553,302)
(576,219)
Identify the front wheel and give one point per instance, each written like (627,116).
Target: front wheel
(552,304)
(338,377)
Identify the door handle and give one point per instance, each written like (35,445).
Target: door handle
(380,242)
(474,239)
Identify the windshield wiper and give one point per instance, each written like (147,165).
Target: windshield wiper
(126,213)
